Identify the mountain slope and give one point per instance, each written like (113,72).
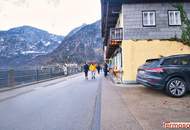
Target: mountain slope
(26,39)
(24,43)
(83,45)
(76,30)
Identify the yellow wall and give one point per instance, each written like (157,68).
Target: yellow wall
(135,53)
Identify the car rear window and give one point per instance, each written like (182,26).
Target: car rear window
(152,63)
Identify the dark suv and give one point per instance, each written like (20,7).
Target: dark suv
(171,74)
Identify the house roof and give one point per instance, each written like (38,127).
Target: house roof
(110,12)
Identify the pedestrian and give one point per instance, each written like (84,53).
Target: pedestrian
(105,69)
(86,68)
(93,70)
(98,68)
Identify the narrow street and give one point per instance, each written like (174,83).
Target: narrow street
(73,104)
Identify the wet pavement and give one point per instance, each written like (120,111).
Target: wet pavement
(73,104)
(115,113)
(136,107)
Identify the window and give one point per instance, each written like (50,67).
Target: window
(184,61)
(177,61)
(171,61)
(149,18)
(174,17)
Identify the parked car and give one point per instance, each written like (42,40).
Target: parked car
(171,74)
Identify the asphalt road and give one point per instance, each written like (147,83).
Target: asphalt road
(73,104)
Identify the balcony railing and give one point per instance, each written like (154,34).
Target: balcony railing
(114,40)
(116,35)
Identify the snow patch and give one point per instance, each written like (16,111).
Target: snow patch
(29,52)
(47,44)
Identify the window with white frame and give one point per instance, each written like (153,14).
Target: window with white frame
(174,17)
(149,18)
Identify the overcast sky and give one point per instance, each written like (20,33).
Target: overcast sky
(54,16)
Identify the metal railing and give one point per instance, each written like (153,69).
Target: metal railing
(116,34)
(12,77)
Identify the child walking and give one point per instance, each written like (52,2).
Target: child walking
(93,70)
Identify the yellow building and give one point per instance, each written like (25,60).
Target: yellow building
(134,31)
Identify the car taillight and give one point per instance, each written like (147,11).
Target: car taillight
(156,70)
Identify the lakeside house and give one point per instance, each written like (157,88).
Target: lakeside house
(137,30)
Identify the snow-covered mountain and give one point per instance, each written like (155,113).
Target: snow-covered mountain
(82,44)
(30,46)
(27,40)
(21,44)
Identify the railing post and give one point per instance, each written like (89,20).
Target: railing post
(37,74)
(67,71)
(11,77)
(51,72)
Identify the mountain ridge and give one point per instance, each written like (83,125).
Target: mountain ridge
(26,41)
(82,44)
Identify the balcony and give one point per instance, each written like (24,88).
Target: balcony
(116,36)
(115,39)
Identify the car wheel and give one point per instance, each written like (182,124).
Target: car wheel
(176,87)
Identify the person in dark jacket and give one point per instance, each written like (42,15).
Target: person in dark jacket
(86,68)
(98,68)
(105,69)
